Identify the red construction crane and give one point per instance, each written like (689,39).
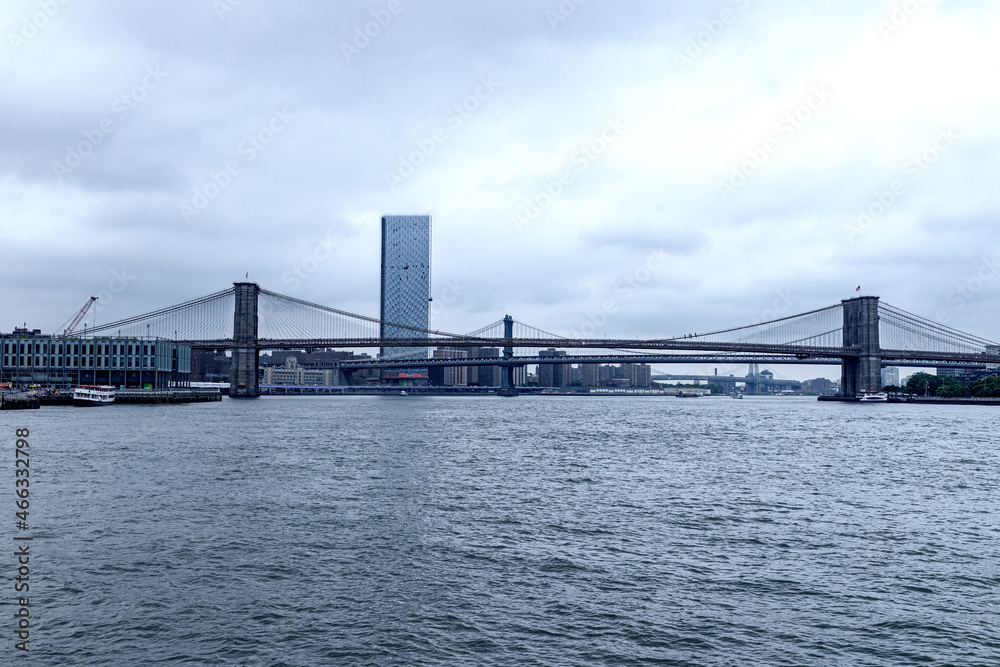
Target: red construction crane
(79,316)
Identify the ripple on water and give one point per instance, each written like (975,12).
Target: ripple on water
(483,531)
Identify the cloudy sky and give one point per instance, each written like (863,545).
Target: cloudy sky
(648,167)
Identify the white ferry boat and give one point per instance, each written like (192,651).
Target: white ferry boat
(90,394)
(880,397)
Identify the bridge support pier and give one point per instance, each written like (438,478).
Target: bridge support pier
(243,373)
(861,374)
(507,387)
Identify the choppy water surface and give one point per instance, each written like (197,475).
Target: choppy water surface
(529,531)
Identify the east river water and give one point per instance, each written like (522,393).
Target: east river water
(529,531)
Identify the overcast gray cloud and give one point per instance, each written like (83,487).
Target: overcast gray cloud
(761,148)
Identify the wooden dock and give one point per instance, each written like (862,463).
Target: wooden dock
(18,401)
(179,395)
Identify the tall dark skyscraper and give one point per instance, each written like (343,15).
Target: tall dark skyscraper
(406,281)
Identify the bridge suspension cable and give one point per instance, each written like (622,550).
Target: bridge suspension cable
(208,317)
(902,330)
(819,327)
(285,317)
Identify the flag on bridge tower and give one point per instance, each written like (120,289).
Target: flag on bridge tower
(247,277)
(859,289)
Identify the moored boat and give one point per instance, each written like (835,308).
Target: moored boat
(92,394)
(880,397)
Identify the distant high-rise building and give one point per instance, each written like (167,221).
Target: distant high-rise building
(553,375)
(638,375)
(820,386)
(406,281)
(890,376)
(589,374)
(448,376)
(483,376)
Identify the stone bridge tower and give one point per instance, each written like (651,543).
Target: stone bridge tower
(861,374)
(243,369)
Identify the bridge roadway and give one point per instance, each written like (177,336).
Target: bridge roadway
(578,359)
(722,379)
(540,343)
(651,359)
(795,353)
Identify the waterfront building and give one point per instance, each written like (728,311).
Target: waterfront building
(29,357)
(589,375)
(406,378)
(406,281)
(292,373)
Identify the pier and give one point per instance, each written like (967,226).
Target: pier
(134,396)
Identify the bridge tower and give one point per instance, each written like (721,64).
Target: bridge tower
(243,369)
(507,387)
(864,372)
(753,379)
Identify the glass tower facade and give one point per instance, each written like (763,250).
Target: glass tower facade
(406,281)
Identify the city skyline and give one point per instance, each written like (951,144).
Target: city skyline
(667,169)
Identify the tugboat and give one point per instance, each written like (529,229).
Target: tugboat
(92,394)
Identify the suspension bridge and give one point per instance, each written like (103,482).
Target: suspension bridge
(859,334)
